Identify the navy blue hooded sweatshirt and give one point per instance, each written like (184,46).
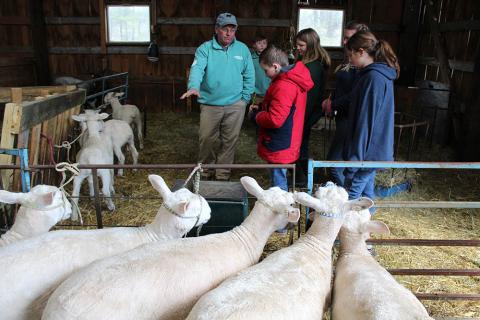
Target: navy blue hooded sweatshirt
(371,116)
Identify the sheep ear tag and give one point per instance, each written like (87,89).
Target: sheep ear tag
(359,204)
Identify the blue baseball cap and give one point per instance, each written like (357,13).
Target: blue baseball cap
(225,19)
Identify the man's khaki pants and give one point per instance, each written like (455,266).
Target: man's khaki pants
(218,134)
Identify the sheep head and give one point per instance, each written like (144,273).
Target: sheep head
(45,200)
(186,208)
(276,199)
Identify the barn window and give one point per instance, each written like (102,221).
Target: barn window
(128,23)
(328,24)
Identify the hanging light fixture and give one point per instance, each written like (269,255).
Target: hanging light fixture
(152,53)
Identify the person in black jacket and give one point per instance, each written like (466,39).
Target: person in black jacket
(317,60)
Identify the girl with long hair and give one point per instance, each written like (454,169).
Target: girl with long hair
(317,60)
(371,111)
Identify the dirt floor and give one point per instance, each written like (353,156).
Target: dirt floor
(172,138)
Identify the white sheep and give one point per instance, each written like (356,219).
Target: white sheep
(98,149)
(163,281)
(126,112)
(40,210)
(292,283)
(363,289)
(31,269)
(120,133)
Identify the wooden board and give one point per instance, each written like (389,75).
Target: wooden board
(38,112)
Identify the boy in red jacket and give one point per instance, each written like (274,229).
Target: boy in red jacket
(281,116)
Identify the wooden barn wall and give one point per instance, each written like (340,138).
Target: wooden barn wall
(157,86)
(17,66)
(449,52)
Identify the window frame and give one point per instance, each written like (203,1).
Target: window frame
(127,43)
(344,11)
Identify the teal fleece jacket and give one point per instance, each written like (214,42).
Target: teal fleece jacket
(261,80)
(222,76)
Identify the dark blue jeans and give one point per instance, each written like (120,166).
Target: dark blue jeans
(362,184)
(278,178)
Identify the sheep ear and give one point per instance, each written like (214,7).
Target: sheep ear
(12,197)
(252,186)
(294,215)
(45,199)
(119,94)
(375,226)
(359,204)
(159,184)
(308,201)
(79,117)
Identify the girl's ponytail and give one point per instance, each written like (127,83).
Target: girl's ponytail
(380,50)
(385,53)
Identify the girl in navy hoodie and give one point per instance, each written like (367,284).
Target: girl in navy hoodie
(371,112)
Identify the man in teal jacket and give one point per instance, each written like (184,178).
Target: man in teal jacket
(223,79)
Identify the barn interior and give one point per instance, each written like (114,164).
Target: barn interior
(436,122)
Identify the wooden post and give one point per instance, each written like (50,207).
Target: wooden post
(409,41)
(438,41)
(11,127)
(39,39)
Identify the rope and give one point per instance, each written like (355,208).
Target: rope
(73,169)
(196,187)
(50,146)
(68,145)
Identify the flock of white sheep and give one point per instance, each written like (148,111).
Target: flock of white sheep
(154,273)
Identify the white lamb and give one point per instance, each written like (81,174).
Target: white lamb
(163,281)
(31,269)
(40,210)
(362,288)
(126,112)
(98,149)
(292,283)
(120,133)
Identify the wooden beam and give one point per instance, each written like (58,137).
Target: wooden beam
(17,20)
(465,66)
(384,27)
(115,49)
(15,61)
(30,92)
(210,21)
(13,50)
(36,112)
(465,25)
(71,20)
(39,39)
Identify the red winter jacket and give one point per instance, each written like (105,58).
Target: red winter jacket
(282,115)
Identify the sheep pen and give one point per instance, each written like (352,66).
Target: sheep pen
(173,138)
